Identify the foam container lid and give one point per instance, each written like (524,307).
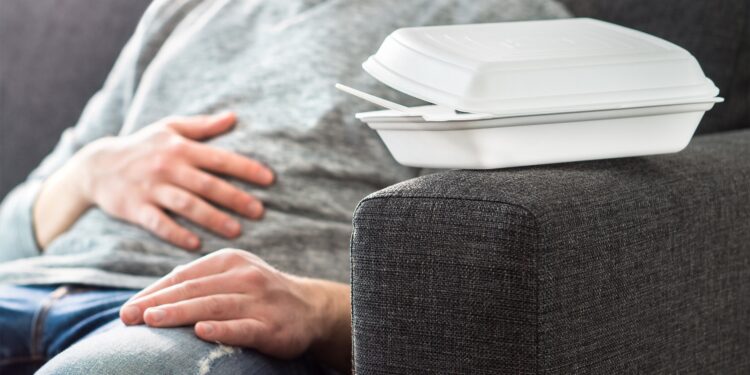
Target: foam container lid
(538,67)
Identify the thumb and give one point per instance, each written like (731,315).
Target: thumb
(201,127)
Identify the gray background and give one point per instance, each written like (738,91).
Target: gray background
(54,54)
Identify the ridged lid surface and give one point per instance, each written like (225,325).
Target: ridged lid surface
(538,67)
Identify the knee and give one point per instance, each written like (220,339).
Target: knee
(144,350)
(128,350)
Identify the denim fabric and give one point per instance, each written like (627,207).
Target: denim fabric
(142,350)
(38,322)
(79,330)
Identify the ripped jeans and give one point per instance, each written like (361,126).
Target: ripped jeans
(76,330)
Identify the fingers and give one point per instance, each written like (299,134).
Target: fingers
(201,127)
(195,209)
(157,222)
(205,286)
(229,163)
(214,263)
(218,191)
(241,332)
(214,307)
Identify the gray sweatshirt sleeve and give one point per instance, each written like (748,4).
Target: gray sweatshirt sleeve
(103,115)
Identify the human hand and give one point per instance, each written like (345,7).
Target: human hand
(235,298)
(163,167)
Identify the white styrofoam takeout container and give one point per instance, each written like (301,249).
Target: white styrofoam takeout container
(535,92)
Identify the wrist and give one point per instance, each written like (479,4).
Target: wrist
(79,170)
(71,182)
(331,322)
(61,200)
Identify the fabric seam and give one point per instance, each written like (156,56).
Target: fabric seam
(384,197)
(37,344)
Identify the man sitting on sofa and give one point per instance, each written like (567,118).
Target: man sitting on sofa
(265,156)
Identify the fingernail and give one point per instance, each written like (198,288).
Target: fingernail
(156,315)
(207,328)
(192,242)
(255,209)
(130,313)
(232,227)
(265,176)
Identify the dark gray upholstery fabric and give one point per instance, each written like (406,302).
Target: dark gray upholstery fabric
(717,33)
(637,265)
(54,54)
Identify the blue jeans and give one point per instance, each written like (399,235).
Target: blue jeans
(75,330)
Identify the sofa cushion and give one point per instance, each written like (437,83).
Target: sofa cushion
(716,32)
(54,54)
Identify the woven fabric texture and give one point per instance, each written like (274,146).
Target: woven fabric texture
(717,33)
(637,265)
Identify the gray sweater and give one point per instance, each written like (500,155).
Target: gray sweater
(275,63)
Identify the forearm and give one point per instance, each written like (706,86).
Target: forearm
(59,204)
(16,230)
(334,347)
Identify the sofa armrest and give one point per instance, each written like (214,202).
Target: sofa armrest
(626,265)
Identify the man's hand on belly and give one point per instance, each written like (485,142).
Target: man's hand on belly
(160,167)
(235,298)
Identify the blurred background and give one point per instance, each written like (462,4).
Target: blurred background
(54,54)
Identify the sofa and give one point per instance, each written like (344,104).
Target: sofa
(636,265)
(54,55)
